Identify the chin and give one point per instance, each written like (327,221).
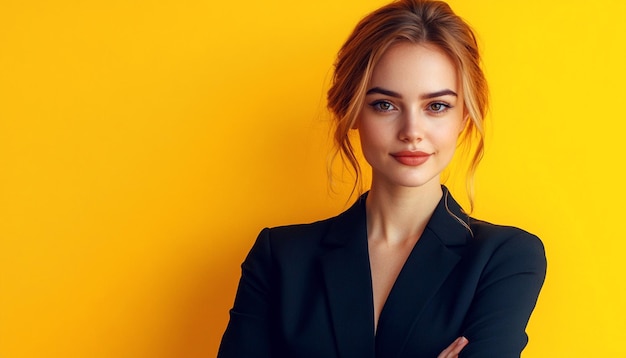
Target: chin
(408,177)
(414,182)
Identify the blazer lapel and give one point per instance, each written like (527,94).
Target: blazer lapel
(348,283)
(425,270)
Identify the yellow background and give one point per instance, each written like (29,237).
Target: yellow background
(143,145)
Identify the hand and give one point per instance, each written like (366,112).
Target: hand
(454,349)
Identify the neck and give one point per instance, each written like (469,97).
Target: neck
(398,215)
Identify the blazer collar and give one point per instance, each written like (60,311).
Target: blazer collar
(428,266)
(348,283)
(347,276)
(449,222)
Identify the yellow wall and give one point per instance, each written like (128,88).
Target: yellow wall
(143,144)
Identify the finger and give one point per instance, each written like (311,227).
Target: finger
(453,350)
(460,343)
(445,352)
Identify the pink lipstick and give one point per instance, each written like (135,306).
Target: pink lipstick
(411,158)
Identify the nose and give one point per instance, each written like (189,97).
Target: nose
(412,127)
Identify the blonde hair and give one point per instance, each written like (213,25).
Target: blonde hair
(415,21)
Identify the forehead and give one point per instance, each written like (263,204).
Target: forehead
(415,67)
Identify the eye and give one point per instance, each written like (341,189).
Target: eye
(382,106)
(438,107)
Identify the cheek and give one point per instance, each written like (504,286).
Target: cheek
(447,138)
(371,135)
(369,142)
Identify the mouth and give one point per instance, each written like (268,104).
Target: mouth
(412,159)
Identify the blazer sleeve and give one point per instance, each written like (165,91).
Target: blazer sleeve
(248,333)
(505,298)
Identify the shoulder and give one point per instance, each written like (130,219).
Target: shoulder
(486,233)
(286,234)
(307,230)
(293,241)
(507,245)
(330,231)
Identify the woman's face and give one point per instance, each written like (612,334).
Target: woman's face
(412,115)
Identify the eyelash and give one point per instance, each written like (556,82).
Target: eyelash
(376,106)
(444,106)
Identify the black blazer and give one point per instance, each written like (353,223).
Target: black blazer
(306,291)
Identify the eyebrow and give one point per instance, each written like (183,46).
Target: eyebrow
(386,92)
(383,91)
(446,92)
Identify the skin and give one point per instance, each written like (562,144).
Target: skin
(409,125)
(454,349)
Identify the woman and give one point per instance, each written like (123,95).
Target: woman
(404,272)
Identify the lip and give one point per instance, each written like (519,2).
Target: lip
(411,158)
